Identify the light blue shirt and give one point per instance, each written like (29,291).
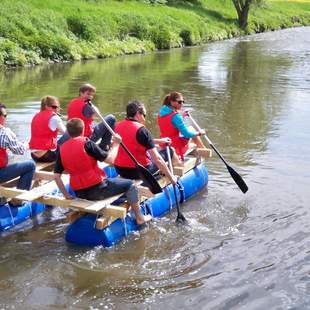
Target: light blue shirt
(177,122)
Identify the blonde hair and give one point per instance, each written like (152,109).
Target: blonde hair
(48,101)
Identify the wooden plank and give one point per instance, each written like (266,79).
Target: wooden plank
(103,222)
(111,214)
(43,166)
(204,152)
(115,211)
(41,190)
(74,215)
(188,165)
(76,204)
(44,175)
(191,148)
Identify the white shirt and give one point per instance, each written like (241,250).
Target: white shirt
(55,122)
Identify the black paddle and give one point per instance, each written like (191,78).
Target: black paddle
(234,174)
(144,174)
(180,217)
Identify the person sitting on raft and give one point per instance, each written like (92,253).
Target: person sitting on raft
(25,169)
(45,126)
(171,124)
(138,139)
(80,108)
(79,156)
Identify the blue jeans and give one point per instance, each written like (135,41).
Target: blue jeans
(25,170)
(110,187)
(100,132)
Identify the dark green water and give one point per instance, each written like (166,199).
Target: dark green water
(241,251)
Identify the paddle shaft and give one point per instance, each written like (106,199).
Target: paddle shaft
(234,174)
(180,216)
(112,132)
(144,173)
(208,140)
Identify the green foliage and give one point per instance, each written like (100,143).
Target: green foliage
(67,30)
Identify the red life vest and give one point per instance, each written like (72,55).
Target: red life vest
(82,168)
(42,137)
(168,130)
(75,109)
(127,129)
(3,156)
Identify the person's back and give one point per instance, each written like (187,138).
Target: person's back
(42,137)
(128,130)
(45,127)
(138,139)
(78,156)
(82,168)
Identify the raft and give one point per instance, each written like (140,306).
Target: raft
(12,216)
(83,231)
(105,222)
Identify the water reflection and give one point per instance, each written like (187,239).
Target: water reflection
(239,251)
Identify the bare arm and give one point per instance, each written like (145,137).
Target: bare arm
(114,149)
(61,186)
(160,163)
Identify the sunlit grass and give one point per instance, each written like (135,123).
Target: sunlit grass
(33,31)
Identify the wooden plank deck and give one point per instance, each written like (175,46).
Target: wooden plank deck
(106,212)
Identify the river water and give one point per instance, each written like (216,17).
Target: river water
(240,251)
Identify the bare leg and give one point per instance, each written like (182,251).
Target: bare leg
(176,159)
(198,142)
(141,219)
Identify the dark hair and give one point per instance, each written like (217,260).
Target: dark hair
(75,127)
(133,107)
(48,101)
(87,87)
(2,106)
(171,97)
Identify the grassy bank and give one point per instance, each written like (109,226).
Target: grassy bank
(36,31)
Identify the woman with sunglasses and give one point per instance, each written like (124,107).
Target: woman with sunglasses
(45,126)
(171,124)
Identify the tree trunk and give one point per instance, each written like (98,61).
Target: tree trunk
(242,8)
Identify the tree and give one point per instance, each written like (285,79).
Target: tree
(243,8)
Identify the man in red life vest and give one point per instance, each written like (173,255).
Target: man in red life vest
(141,144)
(25,169)
(79,156)
(79,108)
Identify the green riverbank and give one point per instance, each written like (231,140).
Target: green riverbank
(35,31)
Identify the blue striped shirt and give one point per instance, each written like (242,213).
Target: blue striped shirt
(8,140)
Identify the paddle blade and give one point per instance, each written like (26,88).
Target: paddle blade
(238,179)
(149,180)
(181,219)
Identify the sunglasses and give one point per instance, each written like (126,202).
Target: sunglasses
(142,113)
(180,101)
(55,107)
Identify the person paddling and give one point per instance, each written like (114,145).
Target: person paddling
(79,156)
(79,108)
(172,125)
(138,139)
(45,127)
(25,169)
